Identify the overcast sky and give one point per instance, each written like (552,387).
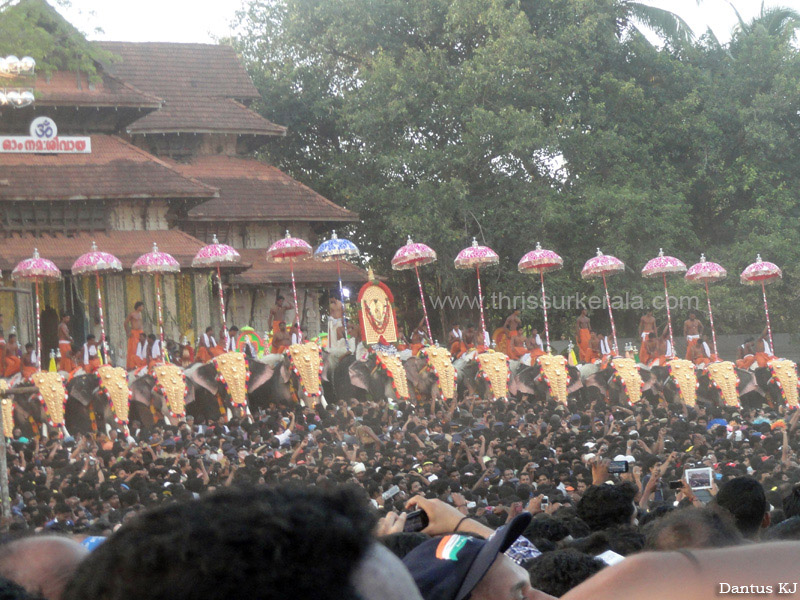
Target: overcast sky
(188,21)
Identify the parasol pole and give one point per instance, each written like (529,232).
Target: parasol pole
(103,351)
(669,317)
(38,329)
(611,316)
(160,319)
(222,310)
(424,309)
(296,307)
(544,307)
(480,300)
(344,305)
(711,321)
(766,310)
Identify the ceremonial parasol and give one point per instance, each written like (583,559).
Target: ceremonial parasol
(476,256)
(541,261)
(217,255)
(36,269)
(600,266)
(661,265)
(290,248)
(97,262)
(705,272)
(156,262)
(413,256)
(337,249)
(762,272)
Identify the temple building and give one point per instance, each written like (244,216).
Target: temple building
(157,148)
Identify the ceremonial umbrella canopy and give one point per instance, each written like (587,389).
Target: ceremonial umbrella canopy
(762,272)
(97,262)
(706,272)
(338,249)
(475,257)
(36,269)
(541,261)
(600,266)
(218,255)
(413,256)
(661,265)
(290,249)
(156,262)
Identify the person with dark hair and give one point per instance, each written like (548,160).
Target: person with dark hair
(134,327)
(745,499)
(265,543)
(791,503)
(693,528)
(13,591)
(42,565)
(604,506)
(556,573)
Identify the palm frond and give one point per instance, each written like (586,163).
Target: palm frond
(665,23)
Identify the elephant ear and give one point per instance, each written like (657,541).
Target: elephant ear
(82,388)
(286,370)
(413,368)
(748,383)
(142,388)
(575,382)
(598,380)
(204,376)
(649,379)
(359,375)
(525,380)
(260,373)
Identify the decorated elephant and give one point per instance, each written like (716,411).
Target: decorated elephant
(379,376)
(622,382)
(165,394)
(487,375)
(722,384)
(102,400)
(536,382)
(779,382)
(38,407)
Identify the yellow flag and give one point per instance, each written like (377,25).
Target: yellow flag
(52,367)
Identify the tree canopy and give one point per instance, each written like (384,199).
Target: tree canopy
(556,121)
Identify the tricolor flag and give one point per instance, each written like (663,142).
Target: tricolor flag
(449,546)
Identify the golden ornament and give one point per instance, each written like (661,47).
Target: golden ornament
(115,381)
(554,368)
(439,360)
(685,376)
(51,388)
(785,371)
(306,362)
(396,371)
(494,367)
(723,375)
(628,372)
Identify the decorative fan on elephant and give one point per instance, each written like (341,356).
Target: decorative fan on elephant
(439,362)
(784,374)
(685,378)
(233,373)
(395,371)
(7,406)
(249,336)
(53,397)
(493,367)
(171,382)
(555,375)
(114,385)
(627,373)
(306,362)
(722,376)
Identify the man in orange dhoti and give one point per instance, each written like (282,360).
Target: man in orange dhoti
(281,339)
(91,357)
(534,345)
(692,328)
(455,340)
(583,335)
(11,364)
(746,354)
(516,347)
(134,326)
(764,352)
(140,356)
(701,353)
(208,348)
(65,363)
(30,363)
(277,314)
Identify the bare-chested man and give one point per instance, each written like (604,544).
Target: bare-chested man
(281,339)
(692,329)
(11,364)
(513,321)
(277,314)
(583,334)
(65,363)
(335,322)
(647,325)
(746,354)
(134,326)
(456,341)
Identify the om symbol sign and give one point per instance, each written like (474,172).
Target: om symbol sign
(43,128)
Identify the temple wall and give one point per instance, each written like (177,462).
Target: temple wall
(138,216)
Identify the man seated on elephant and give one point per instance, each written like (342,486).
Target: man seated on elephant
(11,363)
(280,339)
(746,354)
(155,354)
(30,362)
(91,356)
(699,355)
(692,328)
(764,352)
(518,346)
(207,348)
(455,341)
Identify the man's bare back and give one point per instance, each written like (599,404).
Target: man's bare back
(135,321)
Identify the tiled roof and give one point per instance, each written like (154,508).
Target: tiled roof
(125,245)
(70,88)
(307,272)
(250,189)
(198,83)
(115,169)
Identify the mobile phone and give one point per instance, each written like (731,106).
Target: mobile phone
(416,521)
(676,485)
(545,502)
(391,492)
(618,466)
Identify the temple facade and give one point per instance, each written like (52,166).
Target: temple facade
(156,149)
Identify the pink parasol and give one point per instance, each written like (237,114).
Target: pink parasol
(541,261)
(217,255)
(601,266)
(156,262)
(36,269)
(98,262)
(705,272)
(290,249)
(413,256)
(476,256)
(762,272)
(661,265)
